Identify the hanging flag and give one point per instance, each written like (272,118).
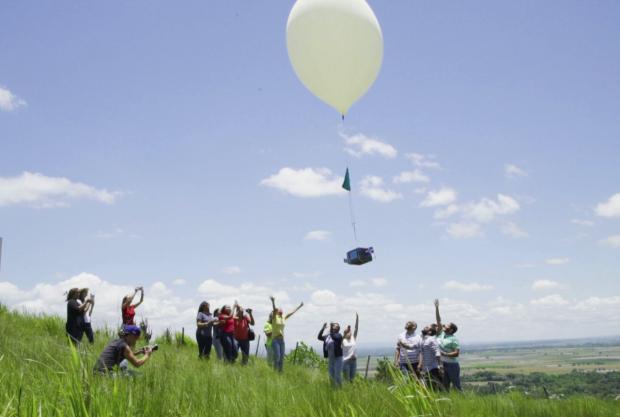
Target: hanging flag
(347,181)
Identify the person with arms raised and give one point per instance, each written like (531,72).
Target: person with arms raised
(332,350)
(277,333)
(128,309)
(349,351)
(450,351)
(243,321)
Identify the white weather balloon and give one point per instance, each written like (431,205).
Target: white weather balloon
(335,48)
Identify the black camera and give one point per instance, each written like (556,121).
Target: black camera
(248,310)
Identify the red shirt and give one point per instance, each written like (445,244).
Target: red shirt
(242,328)
(128,314)
(228,326)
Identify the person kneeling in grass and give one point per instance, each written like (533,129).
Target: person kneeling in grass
(450,351)
(332,350)
(120,349)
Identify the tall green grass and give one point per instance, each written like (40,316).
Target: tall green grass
(42,375)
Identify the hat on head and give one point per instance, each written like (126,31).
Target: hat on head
(131,329)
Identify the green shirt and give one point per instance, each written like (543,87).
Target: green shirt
(267,329)
(277,326)
(448,343)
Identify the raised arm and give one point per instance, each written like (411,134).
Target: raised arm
(321,337)
(252,322)
(357,322)
(273,307)
(295,311)
(92,305)
(141,297)
(438,317)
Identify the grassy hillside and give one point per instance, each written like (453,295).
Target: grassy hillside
(40,375)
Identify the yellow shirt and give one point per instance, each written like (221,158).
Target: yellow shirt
(277,326)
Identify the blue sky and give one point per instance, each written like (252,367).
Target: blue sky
(179,119)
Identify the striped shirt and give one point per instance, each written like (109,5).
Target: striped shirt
(411,353)
(430,353)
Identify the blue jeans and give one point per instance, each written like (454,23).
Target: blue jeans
(452,374)
(219,350)
(349,369)
(269,349)
(335,370)
(244,346)
(277,345)
(228,346)
(409,369)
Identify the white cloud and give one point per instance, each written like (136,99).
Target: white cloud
(357,283)
(323,297)
(610,208)
(514,231)
(179,281)
(231,270)
(9,101)
(442,197)
(612,241)
(582,222)
(464,230)
(423,161)
(513,171)
(248,294)
(305,182)
(317,235)
(446,212)
(466,286)
(161,306)
(420,190)
(550,301)
(407,177)
(372,187)
(359,145)
(594,304)
(486,209)
(379,282)
(545,284)
(557,261)
(40,191)
(306,274)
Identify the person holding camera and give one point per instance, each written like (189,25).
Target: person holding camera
(243,321)
(226,322)
(86,316)
(204,330)
(332,351)
(122,349)
(75,315)
(128,309)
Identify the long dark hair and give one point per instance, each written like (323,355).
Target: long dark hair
(73,293)
(83,294)
(202,306)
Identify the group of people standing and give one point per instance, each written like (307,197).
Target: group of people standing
(431,356)
(227,330)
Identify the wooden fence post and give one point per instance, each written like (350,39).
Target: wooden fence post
(183,335)
(257,346)
(295,353)
(367,365)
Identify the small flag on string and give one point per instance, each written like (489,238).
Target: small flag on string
(347,181)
